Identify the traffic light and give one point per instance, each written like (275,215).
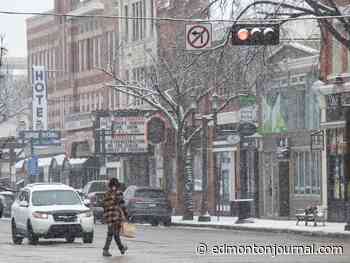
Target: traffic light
(255,34)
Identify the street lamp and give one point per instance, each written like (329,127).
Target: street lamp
(205,216)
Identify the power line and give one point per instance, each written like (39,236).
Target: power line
(169,19)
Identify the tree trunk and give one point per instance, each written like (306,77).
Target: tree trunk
(180,160)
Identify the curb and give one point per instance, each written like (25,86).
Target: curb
(270,230)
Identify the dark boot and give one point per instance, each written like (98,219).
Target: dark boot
(124,249)
(106,253)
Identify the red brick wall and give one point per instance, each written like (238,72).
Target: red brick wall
(326,51)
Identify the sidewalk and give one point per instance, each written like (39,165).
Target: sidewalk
(268,225)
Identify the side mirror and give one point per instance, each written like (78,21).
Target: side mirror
(87,202)
(23,204)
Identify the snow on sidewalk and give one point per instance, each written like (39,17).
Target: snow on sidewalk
(283,225)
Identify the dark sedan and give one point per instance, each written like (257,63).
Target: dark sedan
(146,204)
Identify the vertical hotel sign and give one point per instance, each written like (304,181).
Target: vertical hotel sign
(39,98)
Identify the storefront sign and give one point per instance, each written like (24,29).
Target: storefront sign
(128,125)
(123,131)
(41,138)
(333,101)
(39,98)
(126,144)
(78,121)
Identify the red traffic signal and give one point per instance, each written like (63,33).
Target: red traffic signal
(255,34)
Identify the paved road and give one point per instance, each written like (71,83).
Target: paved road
(163,245)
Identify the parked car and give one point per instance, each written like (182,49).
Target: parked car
(6,200)
(94,191)
(44,210)
(147,204)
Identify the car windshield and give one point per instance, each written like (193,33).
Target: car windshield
(149,193)
(55,197)
(98,187)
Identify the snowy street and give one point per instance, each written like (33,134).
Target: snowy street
(160,244)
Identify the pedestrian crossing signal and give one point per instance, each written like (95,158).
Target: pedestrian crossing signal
(255,34)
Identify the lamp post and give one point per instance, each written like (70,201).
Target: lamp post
(205,216)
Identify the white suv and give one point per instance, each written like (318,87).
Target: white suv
(50,211)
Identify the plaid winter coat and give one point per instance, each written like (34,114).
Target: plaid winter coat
(114,211)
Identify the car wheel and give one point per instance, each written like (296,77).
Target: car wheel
(15,238)
(167,222)
(154,222)
(32,237)
(88,237)
(70,239)
(0,213)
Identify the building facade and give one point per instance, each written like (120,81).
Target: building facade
(290,175)
(74,51)
(334,89)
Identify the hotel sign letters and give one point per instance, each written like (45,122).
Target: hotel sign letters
(39,98)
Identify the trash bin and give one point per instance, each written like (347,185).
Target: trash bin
(243,209)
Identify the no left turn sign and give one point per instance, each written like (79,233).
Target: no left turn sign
(198,36)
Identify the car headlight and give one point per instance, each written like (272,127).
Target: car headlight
(40,215)
(87,214)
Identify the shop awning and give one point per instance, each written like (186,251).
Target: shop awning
(77,161)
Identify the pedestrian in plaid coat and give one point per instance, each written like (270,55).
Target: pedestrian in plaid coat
(114,215)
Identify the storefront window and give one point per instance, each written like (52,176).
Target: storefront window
(336,178)
(225,171)
(307,167)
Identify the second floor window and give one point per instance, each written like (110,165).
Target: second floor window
(138,10)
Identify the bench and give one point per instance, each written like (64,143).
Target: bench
(316,215)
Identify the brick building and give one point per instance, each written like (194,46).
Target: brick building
(335,91)
(73,50)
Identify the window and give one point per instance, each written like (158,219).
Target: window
(55,197)
(138,24)
(300,110)
(97,57)
(80,51)
(138,75)
(152,15)
(307,172)
(337,52)
(126,25)
(89,47)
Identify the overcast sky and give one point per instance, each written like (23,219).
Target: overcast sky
(13,26)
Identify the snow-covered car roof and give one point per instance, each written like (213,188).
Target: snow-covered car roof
(46,186)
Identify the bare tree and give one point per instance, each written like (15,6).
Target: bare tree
(13,92)
(176,80)
(339,26)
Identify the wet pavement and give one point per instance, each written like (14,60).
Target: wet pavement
(169,245)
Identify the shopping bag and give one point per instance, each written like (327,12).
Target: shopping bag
(128,230)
